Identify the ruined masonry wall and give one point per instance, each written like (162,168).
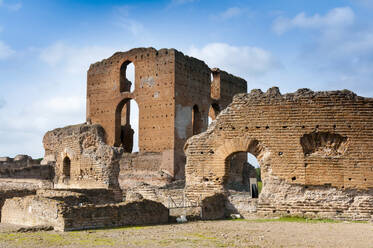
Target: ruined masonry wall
(168,85)
(67,216)
(23,166)
(139,168)
(154,93)
(303,139)
(194,87)
(93,164)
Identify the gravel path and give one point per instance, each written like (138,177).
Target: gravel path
(225,233)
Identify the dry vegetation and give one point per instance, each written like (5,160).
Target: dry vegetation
(284,232)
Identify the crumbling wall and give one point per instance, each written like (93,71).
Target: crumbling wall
(23,166)
(173,93)
(139,168)
(19,161)
(303,139)
(71,211)
(16,187)
(198,97)
(32,211)
(154,93)
(82,159)
(144,212)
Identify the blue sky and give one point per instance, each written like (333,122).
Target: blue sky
(46,48)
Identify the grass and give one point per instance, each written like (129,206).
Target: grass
(122,236)
(260,185)
(296,219)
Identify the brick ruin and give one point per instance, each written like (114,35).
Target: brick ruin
(175,95)
(313,149)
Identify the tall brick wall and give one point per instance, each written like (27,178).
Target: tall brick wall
(306,138)
(154,93)
(171,90)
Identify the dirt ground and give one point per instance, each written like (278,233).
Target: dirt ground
(225,233)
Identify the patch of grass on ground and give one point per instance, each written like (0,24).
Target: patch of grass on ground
(291,219)
(260,185)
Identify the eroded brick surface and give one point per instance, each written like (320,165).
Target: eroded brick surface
(314,148)
(82,159)
(174,94)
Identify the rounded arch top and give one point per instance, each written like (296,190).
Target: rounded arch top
(127,76)
(242,144)
(125,98)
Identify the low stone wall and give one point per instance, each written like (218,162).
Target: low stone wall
(43,172)
(281,198)
(18,161)
(77,197)
(23,166)
(66,211)
(144,212)
(10,188)
(32,211)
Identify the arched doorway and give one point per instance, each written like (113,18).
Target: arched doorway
(197,122)
(126,125)
(66,168)
(248,154)
(213,112)
(243,173)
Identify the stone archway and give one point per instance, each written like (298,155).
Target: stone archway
(124,133)
(66,168)
(237,145)
(210,176)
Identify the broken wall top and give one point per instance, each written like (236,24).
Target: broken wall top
(306,138)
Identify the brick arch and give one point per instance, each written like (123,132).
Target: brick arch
(214,110)
(207,169)
(118,111)
(236,145)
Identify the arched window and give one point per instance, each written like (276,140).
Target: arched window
(66,167)
(213,112)
(127,77)
(127,125)
(196,120)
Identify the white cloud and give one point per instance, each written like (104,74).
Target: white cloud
(334,19)
(240,60)
(135,27)
(53,98)
(341,52)
(124,21)
(60,104)
(231,12)
(73,60)
(1,2)
(5,51)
